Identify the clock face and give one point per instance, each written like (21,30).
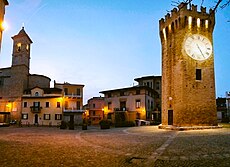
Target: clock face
(198,47)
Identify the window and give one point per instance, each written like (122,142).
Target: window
(138,91)
(151,105)
(157,85)
(78,92)
(109,105)
(123,105)
(66,91)
(78,105)
(58,104)
(1,81)
(138,103)
(148,104)
(122,93)
(47,104)
(109,95)
(198,74)
(19,45)
(66,105)
(148,84)
(36,94)
(46,116)
(36,104)
(25,104)
(94,113)
(24,116)
(58,116)
(94,105)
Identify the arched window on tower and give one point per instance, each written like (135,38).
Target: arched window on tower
(19,46)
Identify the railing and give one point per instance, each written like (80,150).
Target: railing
(121,109)
(35,109)
(73,110)
(72,95)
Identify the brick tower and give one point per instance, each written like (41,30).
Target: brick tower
(188,81)
(20,63)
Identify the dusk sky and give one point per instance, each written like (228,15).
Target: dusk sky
(103,44)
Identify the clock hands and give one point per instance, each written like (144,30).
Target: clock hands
(200,50)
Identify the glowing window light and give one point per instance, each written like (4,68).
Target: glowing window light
(198,22)
(169,27)
(164,33)
(190,21)
(206,23)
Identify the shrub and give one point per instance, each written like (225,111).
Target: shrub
(125,124)
(105,124)
(63,125)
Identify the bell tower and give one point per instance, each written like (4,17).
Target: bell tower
(21,49)
(20,63)
(188,81)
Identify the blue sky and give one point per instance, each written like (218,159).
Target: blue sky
(103,44)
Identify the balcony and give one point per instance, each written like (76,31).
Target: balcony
(122,109)
(35,109)
(72,96)
(72,110)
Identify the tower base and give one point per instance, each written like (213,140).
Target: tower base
(182,128)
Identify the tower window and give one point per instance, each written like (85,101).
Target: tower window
(198,74)
(19,45)
(27,47)
(206,23)
(198,22)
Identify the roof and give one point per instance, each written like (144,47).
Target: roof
(147,78)
(46,90)
(129,88)
(22,33)
(40,76)
(68,84)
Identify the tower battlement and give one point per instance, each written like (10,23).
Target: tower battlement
(183,16)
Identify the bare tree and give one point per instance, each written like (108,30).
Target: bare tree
(217,4)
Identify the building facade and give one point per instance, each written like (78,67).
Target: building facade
(153,82)
(72,101)
(135,102)
(95,110)
(3,3)
(188,80)
(42,106)
(28,97)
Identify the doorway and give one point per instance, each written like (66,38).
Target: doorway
(36,119)
(170,117)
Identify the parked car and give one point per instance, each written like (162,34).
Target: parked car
(140,122)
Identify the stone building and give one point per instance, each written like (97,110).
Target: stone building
(72,101)
(15,79)
(95,110)
(135,102)
(153,82)
(29,96)
(188,81)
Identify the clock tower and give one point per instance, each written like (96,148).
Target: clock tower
(188,80)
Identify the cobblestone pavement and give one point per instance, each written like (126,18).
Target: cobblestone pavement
(115,147)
